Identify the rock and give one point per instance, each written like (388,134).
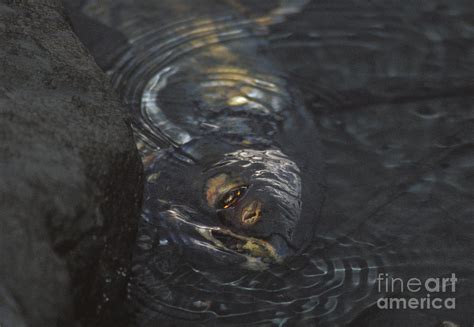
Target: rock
(70,176)
(98,38)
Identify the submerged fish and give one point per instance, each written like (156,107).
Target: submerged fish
(234,162)
(232,157)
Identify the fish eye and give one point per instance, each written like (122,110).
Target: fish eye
(230,198)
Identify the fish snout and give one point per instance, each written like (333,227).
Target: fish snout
(251,213)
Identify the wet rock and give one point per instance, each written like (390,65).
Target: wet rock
(70,177)
(98,38)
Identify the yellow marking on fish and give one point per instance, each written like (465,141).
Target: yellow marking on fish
(218,185)
(252,213)
(260,248)
(237,101)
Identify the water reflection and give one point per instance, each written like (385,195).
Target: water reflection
(390,91)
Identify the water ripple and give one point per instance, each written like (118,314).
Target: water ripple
(391,91)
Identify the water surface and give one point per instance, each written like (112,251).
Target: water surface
(390,88)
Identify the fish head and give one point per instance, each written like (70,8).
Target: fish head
(240,206)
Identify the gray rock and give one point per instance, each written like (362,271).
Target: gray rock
(70,177)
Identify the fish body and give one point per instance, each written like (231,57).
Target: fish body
(234,163)
(216,118)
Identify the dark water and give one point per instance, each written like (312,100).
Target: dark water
(390,88)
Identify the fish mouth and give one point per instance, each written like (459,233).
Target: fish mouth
(220,242)
(258,253)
